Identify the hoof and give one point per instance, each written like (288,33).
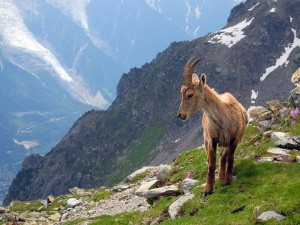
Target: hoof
(204,194)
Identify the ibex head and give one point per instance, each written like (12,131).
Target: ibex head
(192,91)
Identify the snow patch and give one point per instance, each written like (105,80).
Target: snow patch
(177,140)
(283,59)
(231,35)
(253,6)
(254,95)
(272,10)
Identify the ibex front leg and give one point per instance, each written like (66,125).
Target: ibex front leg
(211,147)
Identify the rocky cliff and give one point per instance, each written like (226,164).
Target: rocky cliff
(252,57)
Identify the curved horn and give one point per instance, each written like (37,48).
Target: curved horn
(189,70)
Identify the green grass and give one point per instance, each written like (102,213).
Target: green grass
(101,195)
(269,186)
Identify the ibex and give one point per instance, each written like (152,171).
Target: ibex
(224,121)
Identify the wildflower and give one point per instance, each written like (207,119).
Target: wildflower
(190,175)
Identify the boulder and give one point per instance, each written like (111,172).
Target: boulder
(279,110)
(145,187)
(279,151)
(295,97)
(265,216)
(284,140)
(175,206)
(260,113)
(73,202)
(80,192)
(263,117)
(163,172)
(55,217)
(188,184)
(162,191)
(140,171)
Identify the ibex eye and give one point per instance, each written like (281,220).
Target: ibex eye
(189,96)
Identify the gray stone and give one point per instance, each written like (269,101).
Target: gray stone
(295,97)
(162,191)
(266,159)
(265,216)
(79,191)
(145,187)
(73,202)
(296,139)
(121,187)
(284,140)
(175,206)
(188,184)
(279,151)
(140,171)
(163,172)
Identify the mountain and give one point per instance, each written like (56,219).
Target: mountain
(251,57)
(68,61)
(66,57)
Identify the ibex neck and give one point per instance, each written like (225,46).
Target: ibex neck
(213,105)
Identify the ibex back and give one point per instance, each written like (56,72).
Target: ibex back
(224,121)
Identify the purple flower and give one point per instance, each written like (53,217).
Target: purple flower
(190,175)
(294,113)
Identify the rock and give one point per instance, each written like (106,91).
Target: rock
(298,158)
(263,117)
(140,171)
(284,140)
(162,191)
(2,210)
(265,216)
(42,208)
(267,159)
(79,192)
(55,217)
(295,97)
(175,206)
(188,184)
(296,77)
(163,172)
(260,113)
(296,139)
(279,110)
(121,187)
(44,201)
(73,202)
(145,187)
(50,199)
(279,151)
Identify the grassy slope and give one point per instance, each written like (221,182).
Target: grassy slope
(272,186)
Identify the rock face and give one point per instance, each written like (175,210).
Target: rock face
(141,126)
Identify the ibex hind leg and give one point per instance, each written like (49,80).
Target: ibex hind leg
(229,161)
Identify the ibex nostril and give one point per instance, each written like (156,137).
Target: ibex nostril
(178,115)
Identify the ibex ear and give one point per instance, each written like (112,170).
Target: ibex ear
(202,80)
(195,80)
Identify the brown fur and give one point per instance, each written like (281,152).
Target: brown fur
(224,122)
